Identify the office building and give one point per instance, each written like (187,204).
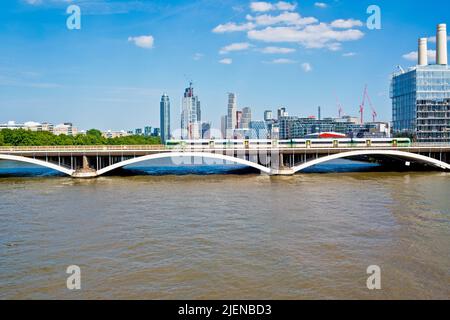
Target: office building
(66,128)
(147,131)
(223,126)
(231,115)
(281,113)
(246,118)
(164,116)
(298,128)
(421,95)
(190,115)
(268,115)
(258,130)
(206,130)
(238,120)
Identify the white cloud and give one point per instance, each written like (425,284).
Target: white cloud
(312,36)
(346,24)
(321,5)
(226,61)
(261,6)
(198,56)
(277,50)
(414,56)
(432,39)
(283,61)
(233,27)
(349,54)
(292,27)
(33,2)
(143,41)
(285,6)
(287,18)
(235,47)
(306,67)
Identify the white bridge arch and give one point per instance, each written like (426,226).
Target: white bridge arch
(395,153)
(183,154)
(400,154)
(37,162)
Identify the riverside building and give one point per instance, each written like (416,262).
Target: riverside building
(421,95)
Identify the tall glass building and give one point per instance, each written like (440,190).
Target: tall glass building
(165,118)
(421,103)
(191,115)
(421,95)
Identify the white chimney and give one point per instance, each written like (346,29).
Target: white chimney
(441,44)
(423,52)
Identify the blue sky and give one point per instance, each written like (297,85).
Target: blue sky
(112,72)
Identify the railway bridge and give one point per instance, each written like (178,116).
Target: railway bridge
(95,161)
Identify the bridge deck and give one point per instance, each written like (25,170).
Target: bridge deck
(150,149)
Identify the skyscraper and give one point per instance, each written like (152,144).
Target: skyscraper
(282,113)
(231,116)
(246,118)
(165,118)
(238,120)
(268,116)
(223,126)
(190,115)
(206,130)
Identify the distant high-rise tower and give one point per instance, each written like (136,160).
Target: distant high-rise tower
(165,118)
(223,126)
(190,115)
(246,118)
(238,120)
(281,113)
(231,116)
(268,115)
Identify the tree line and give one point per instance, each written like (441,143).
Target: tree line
(21,137)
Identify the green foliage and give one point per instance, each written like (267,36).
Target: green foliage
(93,137)
(94,133)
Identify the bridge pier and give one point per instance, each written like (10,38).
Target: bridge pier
(86,171)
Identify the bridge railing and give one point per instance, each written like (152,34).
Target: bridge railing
(81,148)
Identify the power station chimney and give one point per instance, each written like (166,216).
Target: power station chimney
(423,52)
(441,44)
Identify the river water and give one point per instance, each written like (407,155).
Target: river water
(226,236)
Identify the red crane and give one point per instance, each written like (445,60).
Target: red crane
(339,105)
(362,106)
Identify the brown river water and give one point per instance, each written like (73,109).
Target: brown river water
(226,236)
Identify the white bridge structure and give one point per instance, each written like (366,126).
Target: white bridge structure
(95,161)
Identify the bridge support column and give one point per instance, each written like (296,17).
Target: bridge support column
(86,171)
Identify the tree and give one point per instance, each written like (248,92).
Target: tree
(92,137)
(95,133)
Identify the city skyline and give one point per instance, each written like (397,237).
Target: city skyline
(61,75)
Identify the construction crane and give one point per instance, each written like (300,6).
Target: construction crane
(374,112)
(339,105)
(363,104)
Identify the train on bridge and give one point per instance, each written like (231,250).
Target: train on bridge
(293,143)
